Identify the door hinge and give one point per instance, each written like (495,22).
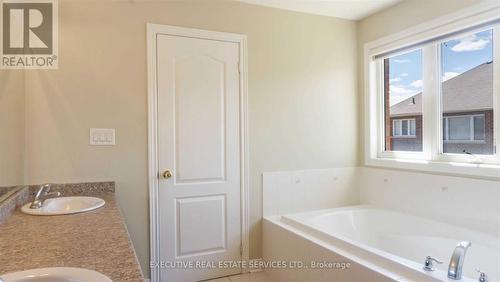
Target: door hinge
(239,67)
(241,249)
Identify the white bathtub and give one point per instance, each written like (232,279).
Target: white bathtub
(400,240)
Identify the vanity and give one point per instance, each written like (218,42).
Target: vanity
(95,240)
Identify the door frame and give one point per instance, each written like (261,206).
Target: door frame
(153,30)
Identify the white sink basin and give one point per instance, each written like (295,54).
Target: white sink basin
(65,205)
(55,274)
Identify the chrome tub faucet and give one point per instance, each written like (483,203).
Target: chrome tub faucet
(457,260)
(41,195)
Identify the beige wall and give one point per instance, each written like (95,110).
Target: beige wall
(397,18)
(12,129)
(302,96)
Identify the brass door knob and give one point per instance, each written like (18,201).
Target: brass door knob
(167,174)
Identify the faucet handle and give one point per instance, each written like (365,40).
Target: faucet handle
(429,263)
(52,194)
(482,276)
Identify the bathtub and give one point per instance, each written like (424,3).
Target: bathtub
(394,242)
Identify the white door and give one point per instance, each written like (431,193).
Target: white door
(199,144)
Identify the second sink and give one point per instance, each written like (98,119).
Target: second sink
(55,274)
(65,205)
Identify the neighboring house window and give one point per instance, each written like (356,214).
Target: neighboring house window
(464,128)
(404,128)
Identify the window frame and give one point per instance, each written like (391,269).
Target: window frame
(432,158)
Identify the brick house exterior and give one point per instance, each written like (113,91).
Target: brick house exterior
(407,143)
(468,95)
(414,143)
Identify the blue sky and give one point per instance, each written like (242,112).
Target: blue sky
(458,56)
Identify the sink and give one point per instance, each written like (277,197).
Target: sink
(55,274)
(65,205)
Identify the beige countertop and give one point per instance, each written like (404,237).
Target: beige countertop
(96,240)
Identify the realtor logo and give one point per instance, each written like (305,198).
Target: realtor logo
(29,34)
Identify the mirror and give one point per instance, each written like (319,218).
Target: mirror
(12,128)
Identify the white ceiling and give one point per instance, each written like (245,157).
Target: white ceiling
(346,9)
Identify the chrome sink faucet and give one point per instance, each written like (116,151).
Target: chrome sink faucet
(457,260)
(41,195)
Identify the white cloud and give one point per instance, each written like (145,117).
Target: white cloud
(402,61)
(417,83)
(449,75)
(396,79)
(403,74)
(470,43)
(400,90)
(400,93)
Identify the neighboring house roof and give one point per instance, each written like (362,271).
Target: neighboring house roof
(467,92)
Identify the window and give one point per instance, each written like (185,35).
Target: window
(463,128)
(467,88)
(403,102)
(403,128)
(433,96)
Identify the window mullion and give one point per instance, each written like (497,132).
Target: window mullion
(430,98)
(471,131)
(447,128)
(379,86)
(496,93)
(409,127)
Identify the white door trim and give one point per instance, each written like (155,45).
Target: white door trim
(152,31)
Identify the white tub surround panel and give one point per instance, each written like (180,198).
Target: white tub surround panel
(467,202)
(304,190)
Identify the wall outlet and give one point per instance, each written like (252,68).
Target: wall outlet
(102,136)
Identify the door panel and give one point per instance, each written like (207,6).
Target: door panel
(201,215)
(200,125)
(199,141)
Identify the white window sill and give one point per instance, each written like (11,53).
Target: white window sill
(404,136)
(490,171)
(464,142)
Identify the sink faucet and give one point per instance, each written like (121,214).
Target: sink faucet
(41,195)
(457,260)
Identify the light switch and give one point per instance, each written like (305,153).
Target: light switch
(102,136)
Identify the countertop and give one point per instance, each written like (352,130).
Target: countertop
(96,240)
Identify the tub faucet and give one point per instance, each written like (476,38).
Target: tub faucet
(457,260)
(41,195)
